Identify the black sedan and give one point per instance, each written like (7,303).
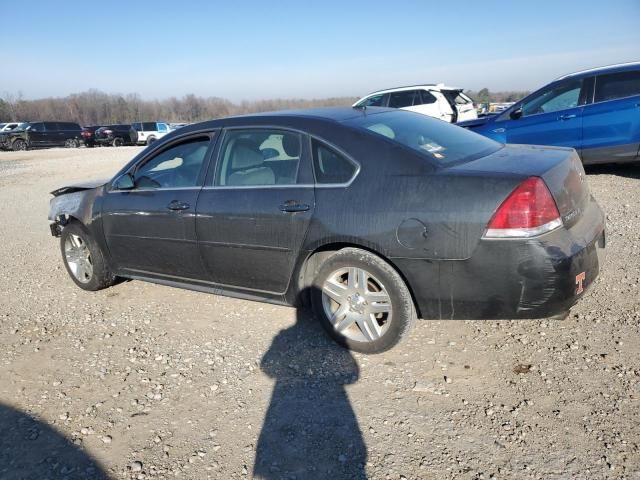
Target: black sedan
(373,216)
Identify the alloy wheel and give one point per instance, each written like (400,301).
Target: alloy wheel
(357,304)
(78,258)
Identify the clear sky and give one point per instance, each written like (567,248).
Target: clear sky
(312,49)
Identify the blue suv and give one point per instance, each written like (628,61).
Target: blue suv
(595,111)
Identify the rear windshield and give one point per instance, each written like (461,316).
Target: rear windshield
(442,142)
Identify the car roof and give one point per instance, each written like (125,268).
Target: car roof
(304,118)
(617,68)
(426,86)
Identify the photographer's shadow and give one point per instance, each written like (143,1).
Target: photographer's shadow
(31,449)
(310,429)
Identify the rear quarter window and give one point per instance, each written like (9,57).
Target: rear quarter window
(330,166)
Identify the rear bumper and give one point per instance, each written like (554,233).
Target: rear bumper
(511,279)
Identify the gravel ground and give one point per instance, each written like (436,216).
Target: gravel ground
(144,381)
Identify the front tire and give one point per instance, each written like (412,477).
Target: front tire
(150,140)
(362,302)
(117,142)
(84,259)
(19,145)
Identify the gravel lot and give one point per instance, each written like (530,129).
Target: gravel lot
(144,381)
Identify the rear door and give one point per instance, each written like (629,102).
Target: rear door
(552,116)
(253,214)
(612,121)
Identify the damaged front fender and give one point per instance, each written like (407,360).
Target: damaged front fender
(69,203)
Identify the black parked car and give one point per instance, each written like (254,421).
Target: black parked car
(116,135)
(42,134)
(376,216)
(88,135)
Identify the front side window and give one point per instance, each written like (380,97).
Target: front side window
(162,127)
(440,141)
(617,85)
(561,97)
(36,127)
(259,157)
(329,166)
(373,101)
(176,167)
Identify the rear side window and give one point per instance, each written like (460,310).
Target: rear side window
(407,98)
(259,157)
(149,127)
(68,126)
(427,97)
(617,85)
(330,166)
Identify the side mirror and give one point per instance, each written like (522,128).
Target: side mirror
(516,114)
(124,182)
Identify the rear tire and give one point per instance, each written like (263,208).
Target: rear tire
(83,259)
(19,145)
(150,140)
(362,302)
(71,143)
(117,142)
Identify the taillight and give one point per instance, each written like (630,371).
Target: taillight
(528,211)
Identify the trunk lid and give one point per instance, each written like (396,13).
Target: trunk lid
(560,168)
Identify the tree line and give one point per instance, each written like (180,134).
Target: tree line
(95,107)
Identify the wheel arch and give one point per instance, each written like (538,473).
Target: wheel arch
(312,259)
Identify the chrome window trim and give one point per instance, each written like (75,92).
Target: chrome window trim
(255,187)
(161,189)
(341,152)
(294,185)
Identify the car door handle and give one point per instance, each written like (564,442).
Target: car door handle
(292,206)
(178,205)
(568,116)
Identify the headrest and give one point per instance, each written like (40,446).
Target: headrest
(291,145)
(196,155)
(245,155)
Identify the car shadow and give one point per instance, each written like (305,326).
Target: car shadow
(30,449)
(629,170)
(310,430)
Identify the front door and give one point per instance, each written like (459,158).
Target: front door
(253,216)
(150,229)
(551,117)
(37,135)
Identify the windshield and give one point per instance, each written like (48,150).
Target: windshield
(444,143)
